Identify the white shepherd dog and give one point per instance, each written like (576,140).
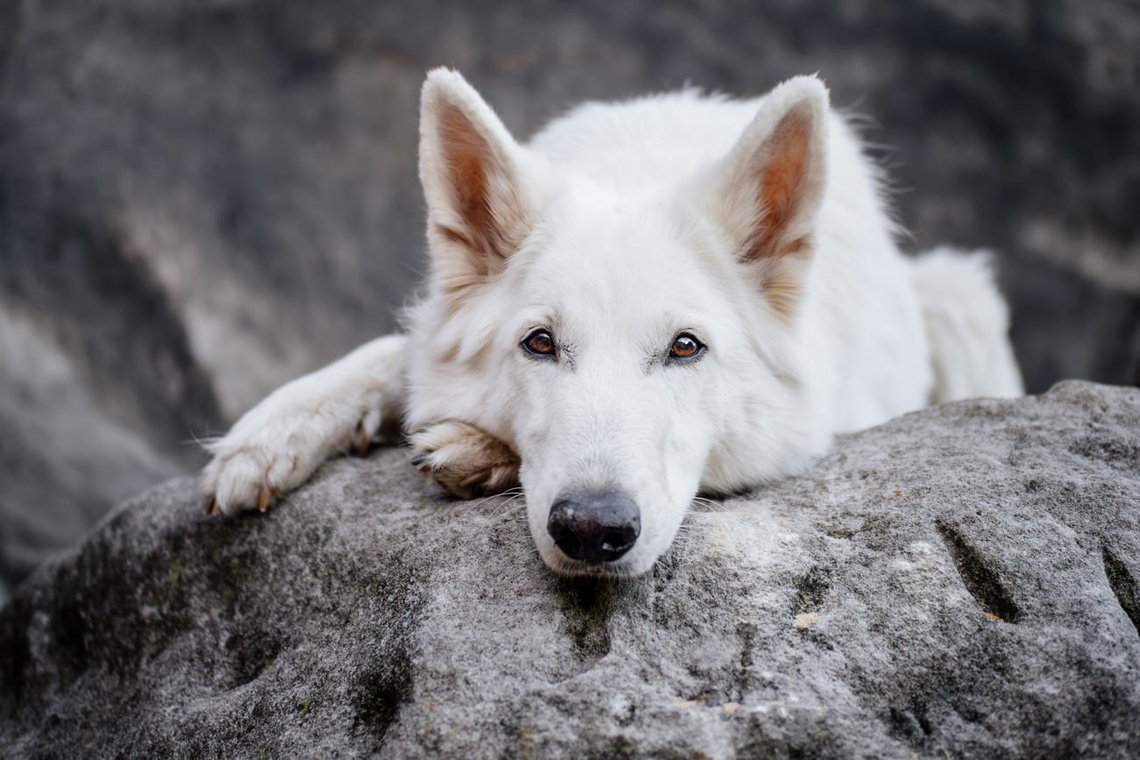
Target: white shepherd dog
(650,299)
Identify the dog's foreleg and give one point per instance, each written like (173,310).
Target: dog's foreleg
(465,460)
(279,443)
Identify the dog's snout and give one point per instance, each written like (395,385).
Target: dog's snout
(595,527)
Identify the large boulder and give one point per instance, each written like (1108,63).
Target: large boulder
(960,581)
(199,200)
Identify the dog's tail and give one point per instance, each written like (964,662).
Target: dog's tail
(967,326)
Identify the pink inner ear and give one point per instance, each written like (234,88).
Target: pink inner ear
(782,164)
(468,159)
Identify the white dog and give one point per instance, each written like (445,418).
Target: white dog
(651,299)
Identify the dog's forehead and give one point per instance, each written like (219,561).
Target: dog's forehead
(623,264)
(617,245)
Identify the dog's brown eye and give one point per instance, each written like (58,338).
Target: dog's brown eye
(685,346)
(539,343)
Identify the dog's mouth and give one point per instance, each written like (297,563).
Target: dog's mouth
(574,568)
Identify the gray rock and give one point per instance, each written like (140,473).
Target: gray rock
(960,581)
(64,457)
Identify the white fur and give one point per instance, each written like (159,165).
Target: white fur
(966,322)
(281,441)
(617,227)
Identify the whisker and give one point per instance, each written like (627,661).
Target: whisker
(511,495)
(702,504)
(511,504)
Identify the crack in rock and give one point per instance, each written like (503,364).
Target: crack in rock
(1123,586)
(979,577)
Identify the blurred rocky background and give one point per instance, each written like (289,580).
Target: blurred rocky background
(202,198)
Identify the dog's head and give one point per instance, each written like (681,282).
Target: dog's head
(631,340)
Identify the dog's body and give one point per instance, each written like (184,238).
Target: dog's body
(652,298)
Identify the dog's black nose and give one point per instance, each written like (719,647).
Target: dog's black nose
(594,527)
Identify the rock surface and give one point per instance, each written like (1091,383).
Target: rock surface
(960,581)
(199,200)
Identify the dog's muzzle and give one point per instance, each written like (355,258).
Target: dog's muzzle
(594,527)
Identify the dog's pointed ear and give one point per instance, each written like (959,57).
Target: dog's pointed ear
(771,185)
(478,214)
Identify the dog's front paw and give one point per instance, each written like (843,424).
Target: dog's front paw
(464,460)
(276,447)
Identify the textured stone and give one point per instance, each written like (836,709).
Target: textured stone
(960,581)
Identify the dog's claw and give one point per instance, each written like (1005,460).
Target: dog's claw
(211,509)
(420,462)
(264,497)
(478,477)
(362,441)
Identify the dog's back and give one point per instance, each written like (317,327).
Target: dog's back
(966,323)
